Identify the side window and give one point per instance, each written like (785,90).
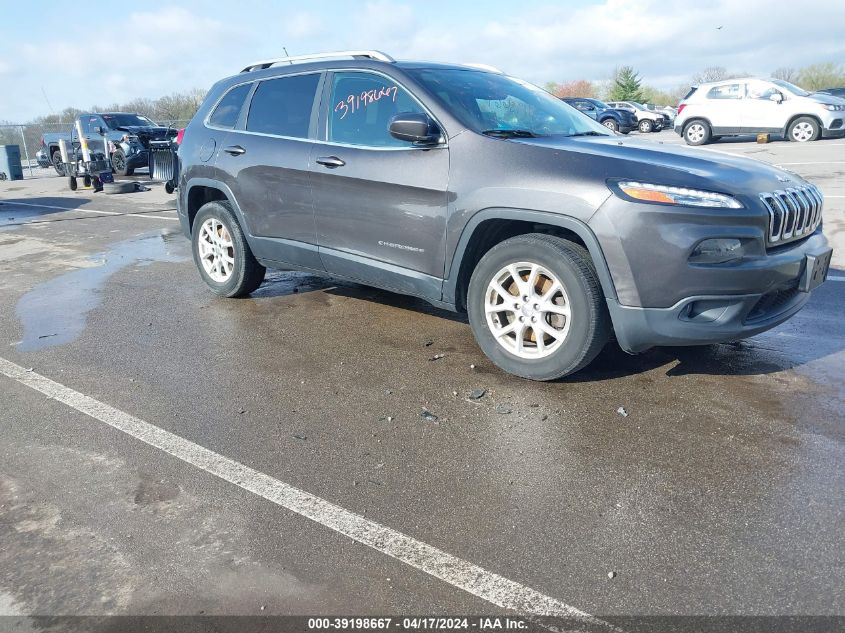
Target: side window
(361,107)
(227,111)
(584,105)
(728,91)
(283,106)
(761,90)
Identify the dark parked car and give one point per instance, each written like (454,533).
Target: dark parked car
(481,193)
(617,120)
(129,137)
(834,92)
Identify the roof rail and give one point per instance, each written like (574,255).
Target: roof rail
(377,55)
(487,67)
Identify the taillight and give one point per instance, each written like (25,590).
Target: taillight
(681,107)
(179,136)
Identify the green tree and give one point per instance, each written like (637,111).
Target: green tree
(627,85)
(818,76)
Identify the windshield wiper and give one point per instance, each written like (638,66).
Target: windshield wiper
(589,134)
(510,133)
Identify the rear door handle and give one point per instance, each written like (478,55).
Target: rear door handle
(235,150)
(331,161)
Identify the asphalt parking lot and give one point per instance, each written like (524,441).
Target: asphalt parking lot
(195,455)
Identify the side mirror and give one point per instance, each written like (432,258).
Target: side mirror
(776,97)
(415,127)
(100,130)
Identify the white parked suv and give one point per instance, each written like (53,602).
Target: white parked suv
(751,106)
(647,120)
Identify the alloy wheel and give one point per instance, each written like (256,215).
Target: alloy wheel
(528,310)
(802,131)
(695,133)
(216,250)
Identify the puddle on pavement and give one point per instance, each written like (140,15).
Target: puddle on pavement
(55,312)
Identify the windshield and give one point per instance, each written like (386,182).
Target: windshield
(601,104)
(798,92)
(115,121)
(638,106)
(499,105)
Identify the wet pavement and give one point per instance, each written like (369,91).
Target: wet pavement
(719,492)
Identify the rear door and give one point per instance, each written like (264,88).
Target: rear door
(724,106)
(380,203)
(264,161)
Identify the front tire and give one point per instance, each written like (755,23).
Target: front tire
(803,129)
(58,165)
(645,126)
(610,124)
(697,132)
(536,307)
(222,254)
(119,164)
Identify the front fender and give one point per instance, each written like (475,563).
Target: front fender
(526,215)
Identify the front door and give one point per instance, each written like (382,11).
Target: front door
(265,162)
(761,114)
(380,203)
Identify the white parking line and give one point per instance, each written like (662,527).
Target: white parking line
(455,571)
(836,278)
(817,162)
(49,206)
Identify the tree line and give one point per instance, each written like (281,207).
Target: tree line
(626,84)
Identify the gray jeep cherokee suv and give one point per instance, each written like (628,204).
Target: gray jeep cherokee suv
(479,192)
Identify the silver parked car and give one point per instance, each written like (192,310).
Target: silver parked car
(752,106)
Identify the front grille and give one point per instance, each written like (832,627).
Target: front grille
(793,213)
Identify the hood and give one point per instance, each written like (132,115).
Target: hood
(825,99)
(674,165)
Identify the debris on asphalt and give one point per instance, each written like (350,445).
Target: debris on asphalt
(300,437)
(543,418)
(428,343)
(611,574)
(428,416)
(437,357)
(390,418)
(454,393)
(387,392)
(472,366)
(503,409)
(622,411)
(477,394)
(241,411)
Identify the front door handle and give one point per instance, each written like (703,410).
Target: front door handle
(330,161)
(235,150)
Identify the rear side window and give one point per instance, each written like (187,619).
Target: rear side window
(227,111)
(729,91)
(283,106)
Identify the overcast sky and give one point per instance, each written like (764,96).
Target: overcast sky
(102,53)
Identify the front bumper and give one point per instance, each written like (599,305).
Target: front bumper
(137,159)
(773,298)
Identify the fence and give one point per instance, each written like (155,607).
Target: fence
(28,136)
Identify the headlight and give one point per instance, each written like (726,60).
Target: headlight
(129,138)
(677,195)
(833,107)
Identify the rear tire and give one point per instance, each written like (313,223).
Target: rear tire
(697,132)
(803,129)
(560,328)
(645,126)
(221,252)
